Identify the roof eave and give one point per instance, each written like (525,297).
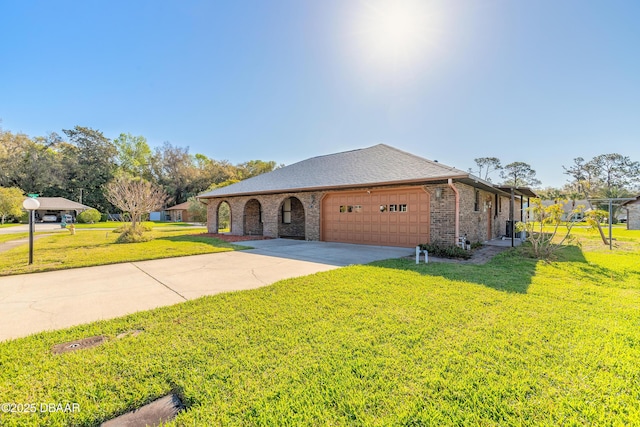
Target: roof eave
(338,187)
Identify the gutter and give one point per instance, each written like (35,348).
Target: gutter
(457,210)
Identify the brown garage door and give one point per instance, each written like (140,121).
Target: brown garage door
(398,217)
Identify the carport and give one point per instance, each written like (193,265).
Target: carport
(58,206)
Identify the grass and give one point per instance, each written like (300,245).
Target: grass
(7,225)
(512,342)
(13,236)
(116,224)
(97,247)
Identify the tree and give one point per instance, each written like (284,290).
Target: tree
(519,174)
(10,202)
(486,165)
(605,176)
(28,164)
(594,218)
(615,172)
(173,168)
(197,210)
(89,216)
(253,168)
(551,193)
(134,155)
(96,165)
(545,226)
(135,196)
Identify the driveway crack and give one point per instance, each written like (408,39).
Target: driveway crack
(163,284)
(253,272)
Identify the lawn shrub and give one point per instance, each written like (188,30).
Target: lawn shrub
(124,228)
(89,216)
(135,234)
(443,251)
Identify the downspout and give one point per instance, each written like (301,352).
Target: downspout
(457,210)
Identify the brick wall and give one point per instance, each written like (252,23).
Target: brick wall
(306,214)
(633,215)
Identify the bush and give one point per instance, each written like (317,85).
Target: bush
(89,216)
(139,227)
(438,250)
(130,234)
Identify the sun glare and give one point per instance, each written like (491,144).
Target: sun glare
(395,34)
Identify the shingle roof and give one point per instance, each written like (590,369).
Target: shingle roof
(380,164)
(180,207)
(60,204)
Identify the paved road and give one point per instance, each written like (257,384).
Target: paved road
(31,303)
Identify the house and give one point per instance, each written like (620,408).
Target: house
(53,208)
(568,206)
(378,195)
(178,213)
(633,213)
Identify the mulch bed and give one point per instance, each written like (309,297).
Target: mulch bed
(231,238)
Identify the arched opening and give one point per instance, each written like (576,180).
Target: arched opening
(291,221)
(253,218)
(224,218)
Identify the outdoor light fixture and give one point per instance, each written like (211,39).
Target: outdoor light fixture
(31,204)
(438,193)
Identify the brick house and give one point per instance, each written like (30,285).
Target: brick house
(178,213)
(378,195)
(633,213)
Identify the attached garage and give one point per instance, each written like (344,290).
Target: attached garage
(377,195)
(389,217)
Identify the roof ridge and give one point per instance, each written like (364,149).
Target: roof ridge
(442,165)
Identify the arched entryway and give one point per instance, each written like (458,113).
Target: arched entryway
(253,218)
(291,219)
(224,218)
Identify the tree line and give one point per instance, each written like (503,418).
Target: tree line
(602,177)
(80,163)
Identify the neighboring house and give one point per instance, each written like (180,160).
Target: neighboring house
(53,208)
(178,213)
(569,205)
(633,213)
(378,195)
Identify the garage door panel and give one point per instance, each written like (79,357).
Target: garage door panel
(404,221)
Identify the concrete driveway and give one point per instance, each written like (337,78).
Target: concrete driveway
(31,303)
(39,226)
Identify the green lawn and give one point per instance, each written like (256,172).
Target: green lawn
(115,224)
(97,247)
(512,342)
(7,225)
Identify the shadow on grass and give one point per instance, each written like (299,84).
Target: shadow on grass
(210,241)
(509,271)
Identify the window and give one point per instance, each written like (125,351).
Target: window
(476,203)
(403,208)
(393,208)
(350,208)
(286,212)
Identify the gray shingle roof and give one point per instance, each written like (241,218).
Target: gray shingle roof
(60,204)
(380,164)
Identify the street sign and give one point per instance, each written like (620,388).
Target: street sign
(33,196)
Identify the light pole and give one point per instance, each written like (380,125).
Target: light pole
(31,204)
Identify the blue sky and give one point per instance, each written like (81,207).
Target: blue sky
(539,81)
